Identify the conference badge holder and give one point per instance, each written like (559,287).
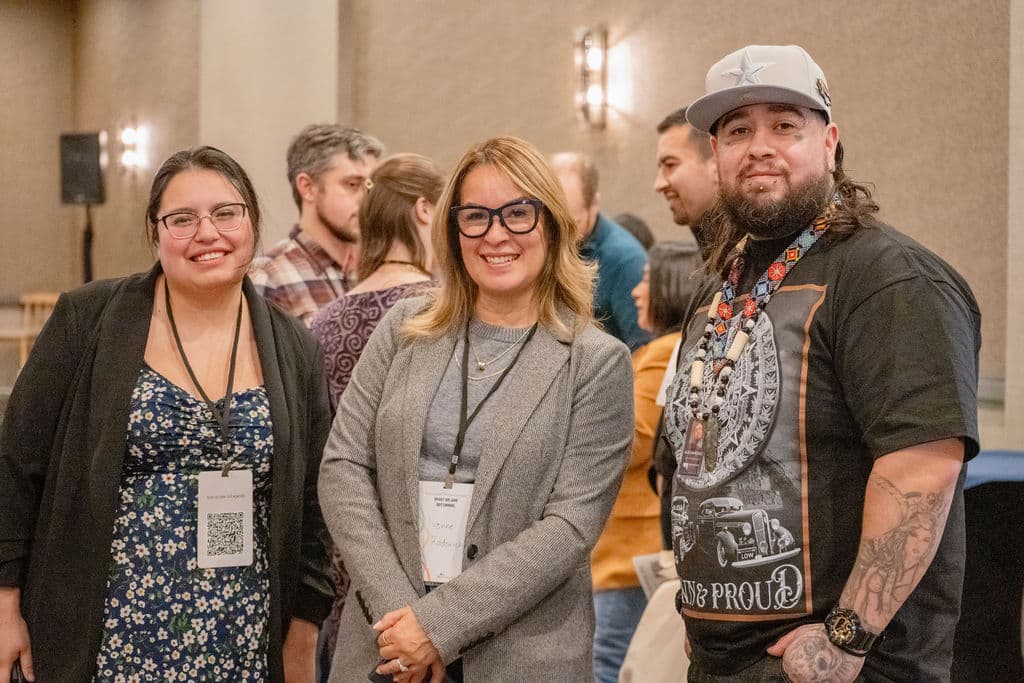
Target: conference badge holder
(225,524)
(444,516)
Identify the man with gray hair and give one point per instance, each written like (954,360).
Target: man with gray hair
(329,170)
(823,409)
(620,257)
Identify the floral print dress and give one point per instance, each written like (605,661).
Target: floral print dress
(166,619)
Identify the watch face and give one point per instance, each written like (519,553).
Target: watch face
(843,629)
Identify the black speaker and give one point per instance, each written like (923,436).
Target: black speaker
(81,176)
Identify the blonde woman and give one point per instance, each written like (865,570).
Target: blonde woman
(479,446)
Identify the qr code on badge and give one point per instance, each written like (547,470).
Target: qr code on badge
(224,533)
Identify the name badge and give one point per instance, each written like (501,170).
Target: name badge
(225,527)
(444,514)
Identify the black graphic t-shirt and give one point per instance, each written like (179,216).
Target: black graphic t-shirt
(869,346)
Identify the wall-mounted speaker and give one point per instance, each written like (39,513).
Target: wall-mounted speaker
(81,175)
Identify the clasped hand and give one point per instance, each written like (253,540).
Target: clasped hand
(14,646)
(407,650)
(808,656)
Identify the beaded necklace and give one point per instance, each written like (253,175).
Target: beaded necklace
(715,343)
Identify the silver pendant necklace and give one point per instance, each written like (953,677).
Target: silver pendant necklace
(481,365)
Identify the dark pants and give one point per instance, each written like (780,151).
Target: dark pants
(987,645)
(453,672)
(766,670)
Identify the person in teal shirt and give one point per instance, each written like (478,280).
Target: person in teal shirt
(620,257)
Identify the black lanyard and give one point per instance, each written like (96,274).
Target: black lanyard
(464,422)
(223,416)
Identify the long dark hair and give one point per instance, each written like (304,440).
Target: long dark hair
(852,213)
(210,159)
(672,265)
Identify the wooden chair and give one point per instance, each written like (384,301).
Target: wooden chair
(36,308)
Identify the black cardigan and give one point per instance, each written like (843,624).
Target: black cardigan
(62,446)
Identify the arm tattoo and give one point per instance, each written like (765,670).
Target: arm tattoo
(889,566)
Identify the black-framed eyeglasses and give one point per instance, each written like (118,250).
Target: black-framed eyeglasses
(518,217)
(183,225)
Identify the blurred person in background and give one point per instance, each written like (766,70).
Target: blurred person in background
(687,176)
(395,264)
(157,411)
(396,261)
(479,446)
(638,228)
(620,258)
(633,527)
(329,169)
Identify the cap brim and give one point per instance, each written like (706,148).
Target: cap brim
(705,112)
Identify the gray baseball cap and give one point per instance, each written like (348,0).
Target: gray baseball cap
(761,74)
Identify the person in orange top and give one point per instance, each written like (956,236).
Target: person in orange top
(662,297)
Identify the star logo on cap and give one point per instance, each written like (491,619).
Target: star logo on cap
(747,72)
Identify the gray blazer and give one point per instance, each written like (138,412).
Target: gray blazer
(522,610)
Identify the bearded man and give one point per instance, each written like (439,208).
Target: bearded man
(823,409)
(329,169)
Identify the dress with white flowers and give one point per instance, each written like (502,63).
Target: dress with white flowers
(165,618)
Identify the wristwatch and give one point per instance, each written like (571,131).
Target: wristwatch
(845,632)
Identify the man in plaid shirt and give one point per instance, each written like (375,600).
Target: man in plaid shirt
(328,169)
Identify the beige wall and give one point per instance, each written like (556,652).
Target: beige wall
(1001,424)
(919,91)
(136,63)
(928,97)
(38,234)
(266,70)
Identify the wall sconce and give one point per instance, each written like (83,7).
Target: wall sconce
(104,154)
(133,147)
(592,76)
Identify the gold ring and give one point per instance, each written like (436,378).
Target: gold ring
(402,668)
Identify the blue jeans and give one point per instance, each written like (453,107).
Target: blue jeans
(617,613)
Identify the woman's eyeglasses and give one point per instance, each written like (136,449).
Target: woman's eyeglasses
(518,217)
(183,225)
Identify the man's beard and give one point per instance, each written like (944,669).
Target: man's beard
(342,233)
(769,220)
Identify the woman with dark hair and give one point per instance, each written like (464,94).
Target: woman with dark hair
(158,463)
(395,262)
(479,445)
(634,527)
(638,228)
(663,296)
